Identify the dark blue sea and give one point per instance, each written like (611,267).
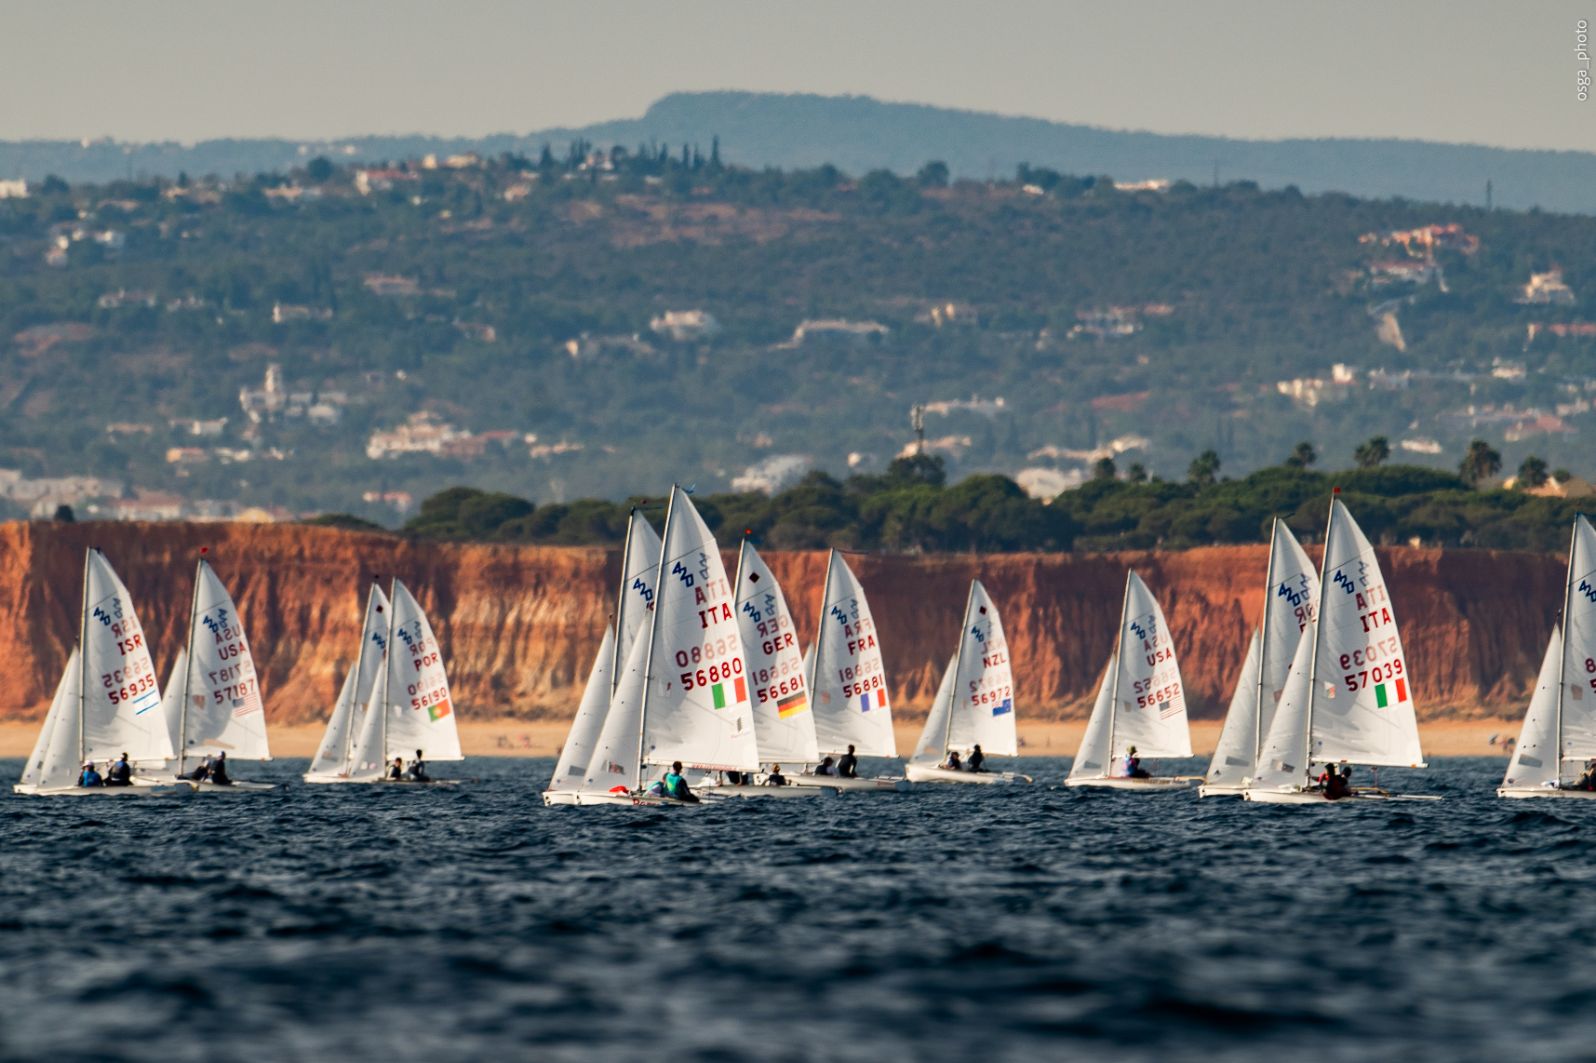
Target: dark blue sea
(1025,923)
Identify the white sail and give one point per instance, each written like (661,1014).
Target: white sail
(1362,698)
(1150,701)
(61,718)
(172,698)
(572,766)
(1283,762)
(121,697)
(336,751)
(1092,761)
(635,602)
(368,758)
(783,724)
(615,763)
(419,713)
(982,711)
(848,680)
(697,709)
(1578,662)
(1536,761)
(933,737)
(224,712)
(1238,741)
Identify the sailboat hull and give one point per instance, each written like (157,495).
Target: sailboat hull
(1316,797)
(228,788)
(928,773)
(1522,794)
(834,782)
(753,792)
(1153,785)
(560,797)
(100,791)
(1220,791)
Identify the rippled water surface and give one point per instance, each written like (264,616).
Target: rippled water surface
(950,922)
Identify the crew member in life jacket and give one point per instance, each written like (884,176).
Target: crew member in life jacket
(120,773)
(1587,781)
(775,778)
(848,766)
(676,785)
(1133,765)
(89,777)
(826,767)
(418,770)
(976,758)
(1338,784)
(953,763)
(217,775)
(396,770)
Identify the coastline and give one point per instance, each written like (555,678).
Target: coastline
(510,737)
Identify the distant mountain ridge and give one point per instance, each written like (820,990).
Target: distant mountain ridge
(858,134)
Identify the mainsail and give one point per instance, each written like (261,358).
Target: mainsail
(1577,705)
(223,711)
(982,708)
(1537,762)
(783,724)
(53,761)
(933,736)
(697,707)
(419,713)
(847,680)
(121,699)
(1093,759)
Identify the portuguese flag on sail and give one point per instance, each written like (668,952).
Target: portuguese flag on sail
(738,689)
(1384,692)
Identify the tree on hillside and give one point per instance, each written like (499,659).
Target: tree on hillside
(1480,463)
(1532,472)
(1302,456)
(1103,469)
(64,514)
(1136,474)
(1204,468)
(917,469)
(1562,476)
(933,174)
(319,169)
(1372,453)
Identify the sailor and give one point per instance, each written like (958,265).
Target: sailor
(848,766)
(1133,765)
(418,770)
(200,773)
(775,778)
(120,773)
(734,778)
(89,776)
(826,767)
(975,760)
(952,763)
(1325,776)
(217,774)
(1587,781)
(676,784)
(396,770)
(1337,784)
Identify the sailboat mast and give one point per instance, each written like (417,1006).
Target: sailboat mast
(1562,665)
(653,625)
(387,670)
(1263,649)
(820,630)
(620,604)
(188,668)
(1119,654)
(958,662)
(83,657)
(360,667)
(1318,630)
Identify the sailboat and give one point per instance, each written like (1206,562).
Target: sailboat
(633,604)
(335,756)
(107,701)
(1560,726)
(219,709)
(974,704)
(1141,703)
(1291,593)
(847,682)
(1348,699)
(410,708)
(784,726)
(683,692)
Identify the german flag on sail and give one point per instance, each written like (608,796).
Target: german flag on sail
(792,705)
(1383,692)
(738,689)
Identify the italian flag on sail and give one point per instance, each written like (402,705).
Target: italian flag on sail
(738,690)
(1384,691)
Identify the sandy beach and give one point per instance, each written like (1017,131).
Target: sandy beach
(541,738)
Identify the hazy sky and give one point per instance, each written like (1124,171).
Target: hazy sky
(1494,73)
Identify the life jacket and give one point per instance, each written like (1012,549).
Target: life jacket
(673,784)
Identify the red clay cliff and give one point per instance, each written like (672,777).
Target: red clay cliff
(520,624)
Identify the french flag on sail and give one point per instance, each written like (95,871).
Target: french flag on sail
(876,699)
